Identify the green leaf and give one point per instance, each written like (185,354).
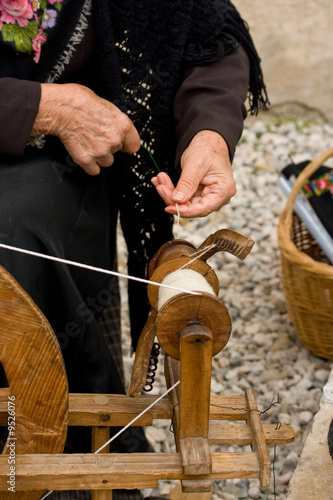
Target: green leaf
(31,29)
(8,32)
(14,33)
(23,42)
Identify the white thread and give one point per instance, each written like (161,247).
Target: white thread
(90,268)
(190,280)
(47,494)
(136,418)
(177,231)
(126,426)
(198,255)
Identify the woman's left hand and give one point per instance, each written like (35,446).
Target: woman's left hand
(206,182)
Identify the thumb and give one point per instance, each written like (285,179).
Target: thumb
(186,186)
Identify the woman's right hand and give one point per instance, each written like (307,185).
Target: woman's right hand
(91,128)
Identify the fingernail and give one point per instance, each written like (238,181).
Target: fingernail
(178,196)
(161,179)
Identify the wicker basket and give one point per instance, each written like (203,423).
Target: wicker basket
(307,277)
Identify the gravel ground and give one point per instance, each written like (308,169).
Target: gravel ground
(264,351)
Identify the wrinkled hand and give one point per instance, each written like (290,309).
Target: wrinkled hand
(206,182)
(91,128)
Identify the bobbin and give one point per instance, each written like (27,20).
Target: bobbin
(182,309)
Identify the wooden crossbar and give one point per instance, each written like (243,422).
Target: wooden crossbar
(118,410)
(240,435)
(115,471)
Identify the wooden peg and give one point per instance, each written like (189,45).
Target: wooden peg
(259,444)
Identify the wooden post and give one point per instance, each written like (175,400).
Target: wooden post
(196,344)
(172,374)
(100,435)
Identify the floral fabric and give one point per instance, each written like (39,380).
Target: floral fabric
(320,185)
(25,24)
(318,190)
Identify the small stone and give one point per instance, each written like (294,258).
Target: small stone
(216,387)
(322,375)
(228,496)
(272,374)
(232,489)
(284,418)
(236,360)
(224,362)
(305,417)
(284,479)
(282,343)
(254,493)
(261,339)
(230,374)
(155,435)
(289,465)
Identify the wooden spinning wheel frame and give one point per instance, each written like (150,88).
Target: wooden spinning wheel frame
(44,409)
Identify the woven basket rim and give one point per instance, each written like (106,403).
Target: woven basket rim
(287,246)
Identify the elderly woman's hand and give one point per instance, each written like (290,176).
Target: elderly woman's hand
(91,128)
(206,182)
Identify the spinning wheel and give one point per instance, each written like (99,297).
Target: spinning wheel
(191,328)
(32,360)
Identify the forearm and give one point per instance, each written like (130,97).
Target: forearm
(19,102)
(212,97)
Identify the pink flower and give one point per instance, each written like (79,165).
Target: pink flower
(322,184)
(19,11)
(37,44)
(54,1)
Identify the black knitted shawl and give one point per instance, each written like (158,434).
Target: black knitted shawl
(142,47)
(155,41)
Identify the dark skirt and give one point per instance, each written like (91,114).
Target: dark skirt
(49,205)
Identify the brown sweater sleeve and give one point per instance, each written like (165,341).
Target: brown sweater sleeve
(19,102)
(212,97)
